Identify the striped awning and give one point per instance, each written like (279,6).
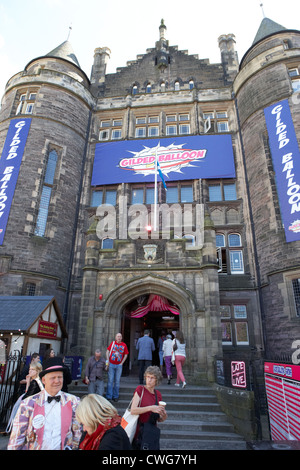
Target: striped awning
(155,304)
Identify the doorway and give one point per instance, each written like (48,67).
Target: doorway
(157,322)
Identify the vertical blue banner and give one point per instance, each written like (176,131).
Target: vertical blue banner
(286,162)
(10,163)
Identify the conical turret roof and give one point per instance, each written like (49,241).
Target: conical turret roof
(266,28)
(64,51)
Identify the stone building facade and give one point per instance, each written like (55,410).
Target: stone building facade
(231,276)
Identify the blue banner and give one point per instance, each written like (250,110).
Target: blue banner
(10,162)
(286,162)
(180,158)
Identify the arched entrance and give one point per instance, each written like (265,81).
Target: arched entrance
(134,294)
(148,312)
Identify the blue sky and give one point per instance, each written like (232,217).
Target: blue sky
(32,28)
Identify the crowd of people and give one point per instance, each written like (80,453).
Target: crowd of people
(47,417)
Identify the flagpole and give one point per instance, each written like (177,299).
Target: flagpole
(155,190)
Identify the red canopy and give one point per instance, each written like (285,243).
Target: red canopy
(155,304)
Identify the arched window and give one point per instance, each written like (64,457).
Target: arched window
(191,84)
(234,239)
(148,88)
(163,87)
(177,86)
(134,89)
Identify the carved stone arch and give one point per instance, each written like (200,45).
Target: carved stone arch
(149,284)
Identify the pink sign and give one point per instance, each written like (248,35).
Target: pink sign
(238,374)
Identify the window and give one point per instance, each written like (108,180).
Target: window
(179,193)
(116,134)
(236,262)
(107,243)
(144,195)
(141,120)
(191,84)
(104,196)
(177,86)
(140,132)
(26,103)
(104,135)
(294,76)
(108,129)
(296,85)
(137,196)
(149,195)
(163,87)
(234,239)
(215,121)
(181,129)
(229,259)
(222,192)
(222,126)
(184,129)
(134,90)
(234,325)
(215,192)
(46,194)
(97,197)
(144,126)
(293,72)
(148,88)
(171,130)
(153,119)
(30,288)
(153,131)
(296,292)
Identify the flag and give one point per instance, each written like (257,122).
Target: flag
(162,176)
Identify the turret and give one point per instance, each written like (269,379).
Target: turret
(101,57)
(229,56)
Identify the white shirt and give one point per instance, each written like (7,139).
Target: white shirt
(168,347)
(52,425)
(180,351)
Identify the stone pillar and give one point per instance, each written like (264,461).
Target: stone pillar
(89,289)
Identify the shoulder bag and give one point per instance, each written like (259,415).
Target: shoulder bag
(129,421)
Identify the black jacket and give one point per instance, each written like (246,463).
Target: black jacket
(114,439)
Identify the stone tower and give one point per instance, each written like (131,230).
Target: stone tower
(266,78)
(52,96)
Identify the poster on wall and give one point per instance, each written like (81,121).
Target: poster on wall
(180,158)
(283,389)
(286,161)
(10,163)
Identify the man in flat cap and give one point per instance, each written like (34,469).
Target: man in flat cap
(46,421)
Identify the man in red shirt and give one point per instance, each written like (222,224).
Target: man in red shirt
(116,355)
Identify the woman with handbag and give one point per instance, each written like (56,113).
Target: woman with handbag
(179,356)
(149,410)
(101,425)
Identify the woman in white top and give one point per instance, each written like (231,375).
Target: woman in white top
(179,358)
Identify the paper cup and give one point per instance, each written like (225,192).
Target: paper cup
(162,403)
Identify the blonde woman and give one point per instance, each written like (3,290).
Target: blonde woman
(101,425)
(33,382)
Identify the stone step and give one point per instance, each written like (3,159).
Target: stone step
(205,444)
(195,419)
